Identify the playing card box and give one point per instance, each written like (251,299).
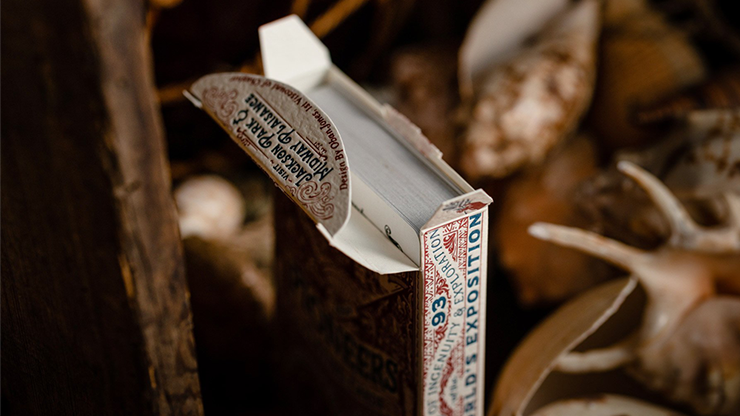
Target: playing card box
(380,245)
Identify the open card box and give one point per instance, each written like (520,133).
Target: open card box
(385,297)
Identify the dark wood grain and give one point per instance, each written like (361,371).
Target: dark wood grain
(95,311)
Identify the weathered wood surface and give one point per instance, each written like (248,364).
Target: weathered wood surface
(95,311)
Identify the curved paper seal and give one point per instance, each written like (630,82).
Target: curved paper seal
(288,136)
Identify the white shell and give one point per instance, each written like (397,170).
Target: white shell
(603,405)
(209,207)
(704,349)
(498,31)
(530,103)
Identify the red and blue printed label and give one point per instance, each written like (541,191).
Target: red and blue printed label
(454,313)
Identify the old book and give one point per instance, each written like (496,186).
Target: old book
(382,278)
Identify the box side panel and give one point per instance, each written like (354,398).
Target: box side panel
(453,323)
(347,335)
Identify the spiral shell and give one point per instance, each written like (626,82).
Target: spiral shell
(530,103)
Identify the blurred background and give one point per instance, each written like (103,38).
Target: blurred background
(537,112)
(644,66)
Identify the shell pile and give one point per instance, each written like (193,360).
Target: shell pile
(688,343)
(555,95)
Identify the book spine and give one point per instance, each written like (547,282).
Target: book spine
(454,259)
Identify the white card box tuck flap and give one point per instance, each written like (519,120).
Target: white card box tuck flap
(292,54)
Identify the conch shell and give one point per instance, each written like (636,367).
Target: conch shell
(642,60)
(497,33)
(530,383)
(531,102)
(675,350)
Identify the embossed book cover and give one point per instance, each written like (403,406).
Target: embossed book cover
(381,246)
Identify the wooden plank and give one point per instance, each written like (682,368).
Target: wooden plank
(95,311)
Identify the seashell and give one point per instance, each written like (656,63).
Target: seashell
(210,207)
(531,102)
(710,163)
(533,361)
(617,208)
(542,272)
(698,163)
(681,280)
(703,348)
(721,92)
(603,405)
(219,246)
(642,60)
(497,33)
(691,142)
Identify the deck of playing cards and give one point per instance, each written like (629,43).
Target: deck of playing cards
(381,255)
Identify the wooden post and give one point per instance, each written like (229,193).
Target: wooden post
(95,312)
